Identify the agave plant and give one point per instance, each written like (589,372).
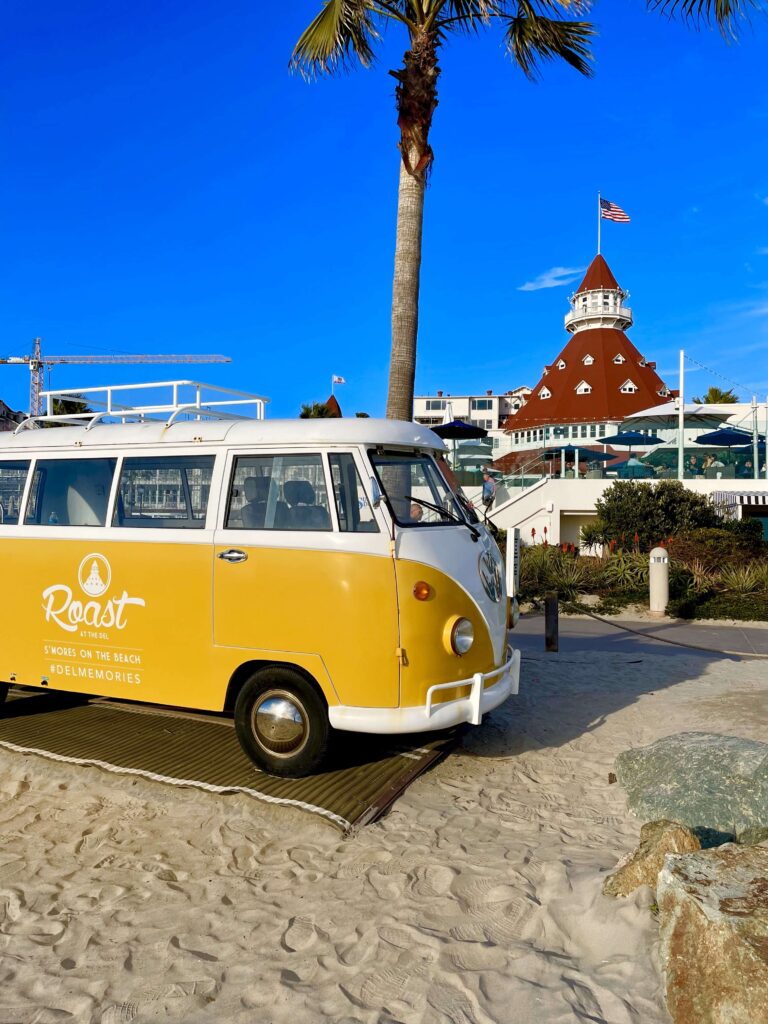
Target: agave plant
(742,579)
(701,577)
(626,571)
(568,577)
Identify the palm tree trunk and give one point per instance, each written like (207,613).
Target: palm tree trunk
(405,294)
(416,96)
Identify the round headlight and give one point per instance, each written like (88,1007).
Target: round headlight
(462,636)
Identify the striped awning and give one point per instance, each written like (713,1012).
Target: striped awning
(730,499)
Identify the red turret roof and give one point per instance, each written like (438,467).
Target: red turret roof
(598,276)
(605,377)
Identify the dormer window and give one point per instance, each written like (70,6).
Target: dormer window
(583,388)
(545,393)
(642,362)
(588,360)
(561,364)
(619,359)
(663,392)
(628,387)
(545,372)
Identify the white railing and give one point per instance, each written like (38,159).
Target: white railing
(170,400)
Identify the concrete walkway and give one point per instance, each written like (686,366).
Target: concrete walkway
(582,633)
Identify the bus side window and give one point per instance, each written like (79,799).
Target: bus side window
(278,492)
(70,492)
(13,476)
(164,492)
(354,511)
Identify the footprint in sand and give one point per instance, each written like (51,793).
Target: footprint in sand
(452,1005)
(300,934)
(162,1004)
(433,881)
(390,985)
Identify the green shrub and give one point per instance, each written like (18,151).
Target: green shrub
(625,571)
(652,512)
(717,546)
(751,608)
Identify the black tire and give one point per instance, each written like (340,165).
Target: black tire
(290,737)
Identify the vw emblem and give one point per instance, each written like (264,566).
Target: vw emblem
(490,575)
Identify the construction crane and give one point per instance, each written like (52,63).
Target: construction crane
(37,363)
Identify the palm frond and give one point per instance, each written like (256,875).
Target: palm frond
(342,33)
(532,38)
(726,14)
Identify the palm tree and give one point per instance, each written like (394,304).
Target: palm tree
(316,410)
(715,396)
(346,32)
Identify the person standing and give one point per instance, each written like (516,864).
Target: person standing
(489,491)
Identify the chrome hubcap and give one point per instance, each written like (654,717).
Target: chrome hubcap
(279,723)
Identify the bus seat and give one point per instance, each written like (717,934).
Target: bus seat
(253,513)
(303,513)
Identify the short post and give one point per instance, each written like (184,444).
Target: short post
(658,581)
(551,637)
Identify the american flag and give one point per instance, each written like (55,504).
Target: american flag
(610,211)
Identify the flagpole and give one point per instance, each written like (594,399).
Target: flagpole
(599,218)
(332,383)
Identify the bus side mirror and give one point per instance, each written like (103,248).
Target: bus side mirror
(376,494)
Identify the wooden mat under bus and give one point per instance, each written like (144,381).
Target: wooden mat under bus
(185,749)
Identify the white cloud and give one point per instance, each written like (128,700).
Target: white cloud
(552,278)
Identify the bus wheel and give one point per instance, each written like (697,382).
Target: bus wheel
(282,723)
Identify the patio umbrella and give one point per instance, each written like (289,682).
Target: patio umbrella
(726,437)
(458,430)
(747,448)
(632,439)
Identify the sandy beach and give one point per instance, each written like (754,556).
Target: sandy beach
(476,900)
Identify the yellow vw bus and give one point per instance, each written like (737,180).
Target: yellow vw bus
(305,575)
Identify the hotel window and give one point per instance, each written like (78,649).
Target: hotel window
(545,393)
(527,435)
(592,430)
(560,432)
(583,430)
(628,388)
(602,430)
(435,404)
(486,404)
(588,360)
(561,364)
(583,388)
(619,359)
(496,442)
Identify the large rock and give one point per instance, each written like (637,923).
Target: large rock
(657,838)
(713,923)
(705,781)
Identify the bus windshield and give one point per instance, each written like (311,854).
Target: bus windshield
(416,491)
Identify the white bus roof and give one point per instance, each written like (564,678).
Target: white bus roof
(236,433)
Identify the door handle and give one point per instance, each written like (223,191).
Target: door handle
(233,555)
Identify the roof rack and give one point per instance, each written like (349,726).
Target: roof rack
(183,399)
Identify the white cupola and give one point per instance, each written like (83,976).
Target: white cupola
(599,301)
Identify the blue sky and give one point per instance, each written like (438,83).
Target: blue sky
(167,186)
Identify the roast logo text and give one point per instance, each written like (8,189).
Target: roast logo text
(94,576)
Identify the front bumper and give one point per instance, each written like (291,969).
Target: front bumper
(430,716)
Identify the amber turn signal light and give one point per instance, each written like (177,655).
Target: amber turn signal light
(422,591)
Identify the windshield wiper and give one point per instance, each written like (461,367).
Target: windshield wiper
(445,512)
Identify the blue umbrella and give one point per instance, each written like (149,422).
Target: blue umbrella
(726,437)
(458,430)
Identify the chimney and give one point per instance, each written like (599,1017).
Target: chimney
(489,391)
(439,394)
